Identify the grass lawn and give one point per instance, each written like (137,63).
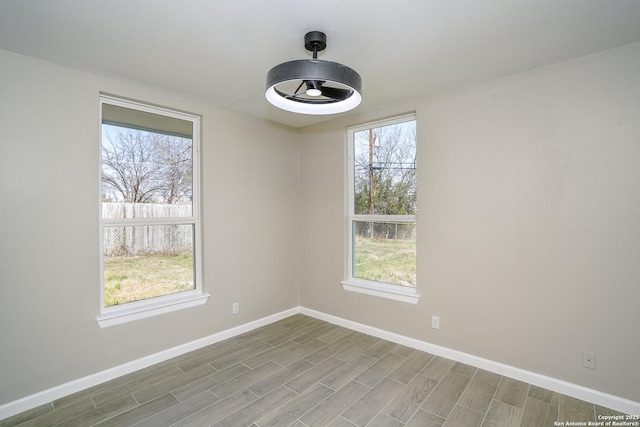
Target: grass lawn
(386,260)
(128,279)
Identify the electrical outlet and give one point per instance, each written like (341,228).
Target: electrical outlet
(235,308)
(589,360)
(435,322)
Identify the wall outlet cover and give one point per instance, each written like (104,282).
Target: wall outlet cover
(589,360)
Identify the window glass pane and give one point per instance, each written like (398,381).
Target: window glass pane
(385,252)
(140,167)
(385,170)
(146,261)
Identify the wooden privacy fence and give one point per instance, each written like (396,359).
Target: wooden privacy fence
(134,240)
(144,210)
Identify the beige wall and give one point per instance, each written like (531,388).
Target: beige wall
(49,258)
(529,233)
(528,222)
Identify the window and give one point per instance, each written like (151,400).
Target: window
(381,247)
(149,211)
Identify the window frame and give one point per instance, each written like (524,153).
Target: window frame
(350,283)
(131,311)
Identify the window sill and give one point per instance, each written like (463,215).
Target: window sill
(383,290)
(134,311)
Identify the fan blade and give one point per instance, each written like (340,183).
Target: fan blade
(335,93)
(296,92)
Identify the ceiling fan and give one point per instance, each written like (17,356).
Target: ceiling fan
(314,86)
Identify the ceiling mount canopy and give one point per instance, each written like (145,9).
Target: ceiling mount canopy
(314,86)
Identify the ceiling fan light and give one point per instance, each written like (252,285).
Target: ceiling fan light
(314,92)
(329,87)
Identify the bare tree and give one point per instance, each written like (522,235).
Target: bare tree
(174,155)
(146,167)
(385,170)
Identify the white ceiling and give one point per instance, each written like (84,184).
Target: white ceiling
(221,50)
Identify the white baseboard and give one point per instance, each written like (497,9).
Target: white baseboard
(573,390)
(579,392)
(46,396)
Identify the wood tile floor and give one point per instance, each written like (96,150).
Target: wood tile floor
(304,372)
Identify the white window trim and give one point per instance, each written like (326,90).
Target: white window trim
(383,290)
(119,314)
(390,291)
(151,307)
